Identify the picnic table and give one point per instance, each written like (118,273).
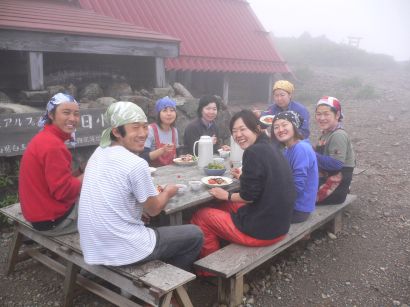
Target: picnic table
(174,174)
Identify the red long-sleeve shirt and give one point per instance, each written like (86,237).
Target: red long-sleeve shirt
(47,188)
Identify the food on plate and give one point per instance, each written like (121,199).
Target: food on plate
(217,180)
(216,165)
(187,158)
(267,119)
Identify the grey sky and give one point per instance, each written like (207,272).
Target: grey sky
(384,25)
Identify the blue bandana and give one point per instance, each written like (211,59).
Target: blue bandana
(51,105)
(164,103)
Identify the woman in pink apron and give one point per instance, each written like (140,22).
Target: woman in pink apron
(162,139)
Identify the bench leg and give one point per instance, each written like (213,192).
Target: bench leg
(182,297)
(230,291)
(336,225)
(14,251)
(69,283)
(166,300)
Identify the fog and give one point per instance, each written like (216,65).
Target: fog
(382,25)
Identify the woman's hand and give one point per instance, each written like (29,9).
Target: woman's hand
(226,148)
(236,172)
(214,139)
(219,193)
(167,148)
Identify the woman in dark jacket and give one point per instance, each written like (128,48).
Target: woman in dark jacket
(260,213)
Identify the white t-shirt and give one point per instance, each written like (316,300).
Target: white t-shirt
(165,137)
(115,186)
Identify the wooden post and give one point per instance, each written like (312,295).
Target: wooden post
(69,283)
(225,94)
(35,71)
(160,79)
(14,250)
(336,225)
(270,85)
(230,291)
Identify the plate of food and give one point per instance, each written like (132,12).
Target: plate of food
(216,181)
(267,119)
(185,160)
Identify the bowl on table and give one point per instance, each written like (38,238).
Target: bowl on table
(195,185)
(214,171)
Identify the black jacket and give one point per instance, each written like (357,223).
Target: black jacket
(267,181)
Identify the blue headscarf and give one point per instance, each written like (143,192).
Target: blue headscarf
(163,103)
(51,105)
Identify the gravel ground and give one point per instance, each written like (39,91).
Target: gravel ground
(367,264)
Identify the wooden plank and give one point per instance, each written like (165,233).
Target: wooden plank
(160,80)
(58,42)
(151,273)
(82,281)
(103,272)
(35,71)
(248,258)
(175,277)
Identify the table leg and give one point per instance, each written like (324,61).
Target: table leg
(175,218)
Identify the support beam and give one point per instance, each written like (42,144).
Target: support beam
(35,71)
(270,85)
(160,80)
(225,93)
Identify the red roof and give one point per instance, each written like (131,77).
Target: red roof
(216,35)
(60,17)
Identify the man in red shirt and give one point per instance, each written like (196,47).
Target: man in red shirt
(48,189)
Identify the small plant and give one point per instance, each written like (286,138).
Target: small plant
(5,201)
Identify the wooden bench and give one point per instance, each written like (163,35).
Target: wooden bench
(233,261)
(153,282)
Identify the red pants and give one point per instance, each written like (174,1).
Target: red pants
(216,223)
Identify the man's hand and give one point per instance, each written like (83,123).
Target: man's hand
(170,189)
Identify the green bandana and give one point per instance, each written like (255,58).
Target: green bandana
(118,114)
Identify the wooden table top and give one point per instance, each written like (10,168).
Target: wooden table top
(174,174)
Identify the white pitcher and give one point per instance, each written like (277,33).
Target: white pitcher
(205,150)
(236,153)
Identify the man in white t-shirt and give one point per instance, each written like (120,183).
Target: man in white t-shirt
(117,190)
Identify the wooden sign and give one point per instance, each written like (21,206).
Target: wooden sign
(16,130)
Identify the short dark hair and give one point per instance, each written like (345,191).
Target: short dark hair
(121,130)
(207,99)
(249,119)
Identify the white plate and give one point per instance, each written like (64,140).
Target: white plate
(152,169)
(178,161)
(205,180)
(267,119)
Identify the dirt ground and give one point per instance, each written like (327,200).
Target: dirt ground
(368,264)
